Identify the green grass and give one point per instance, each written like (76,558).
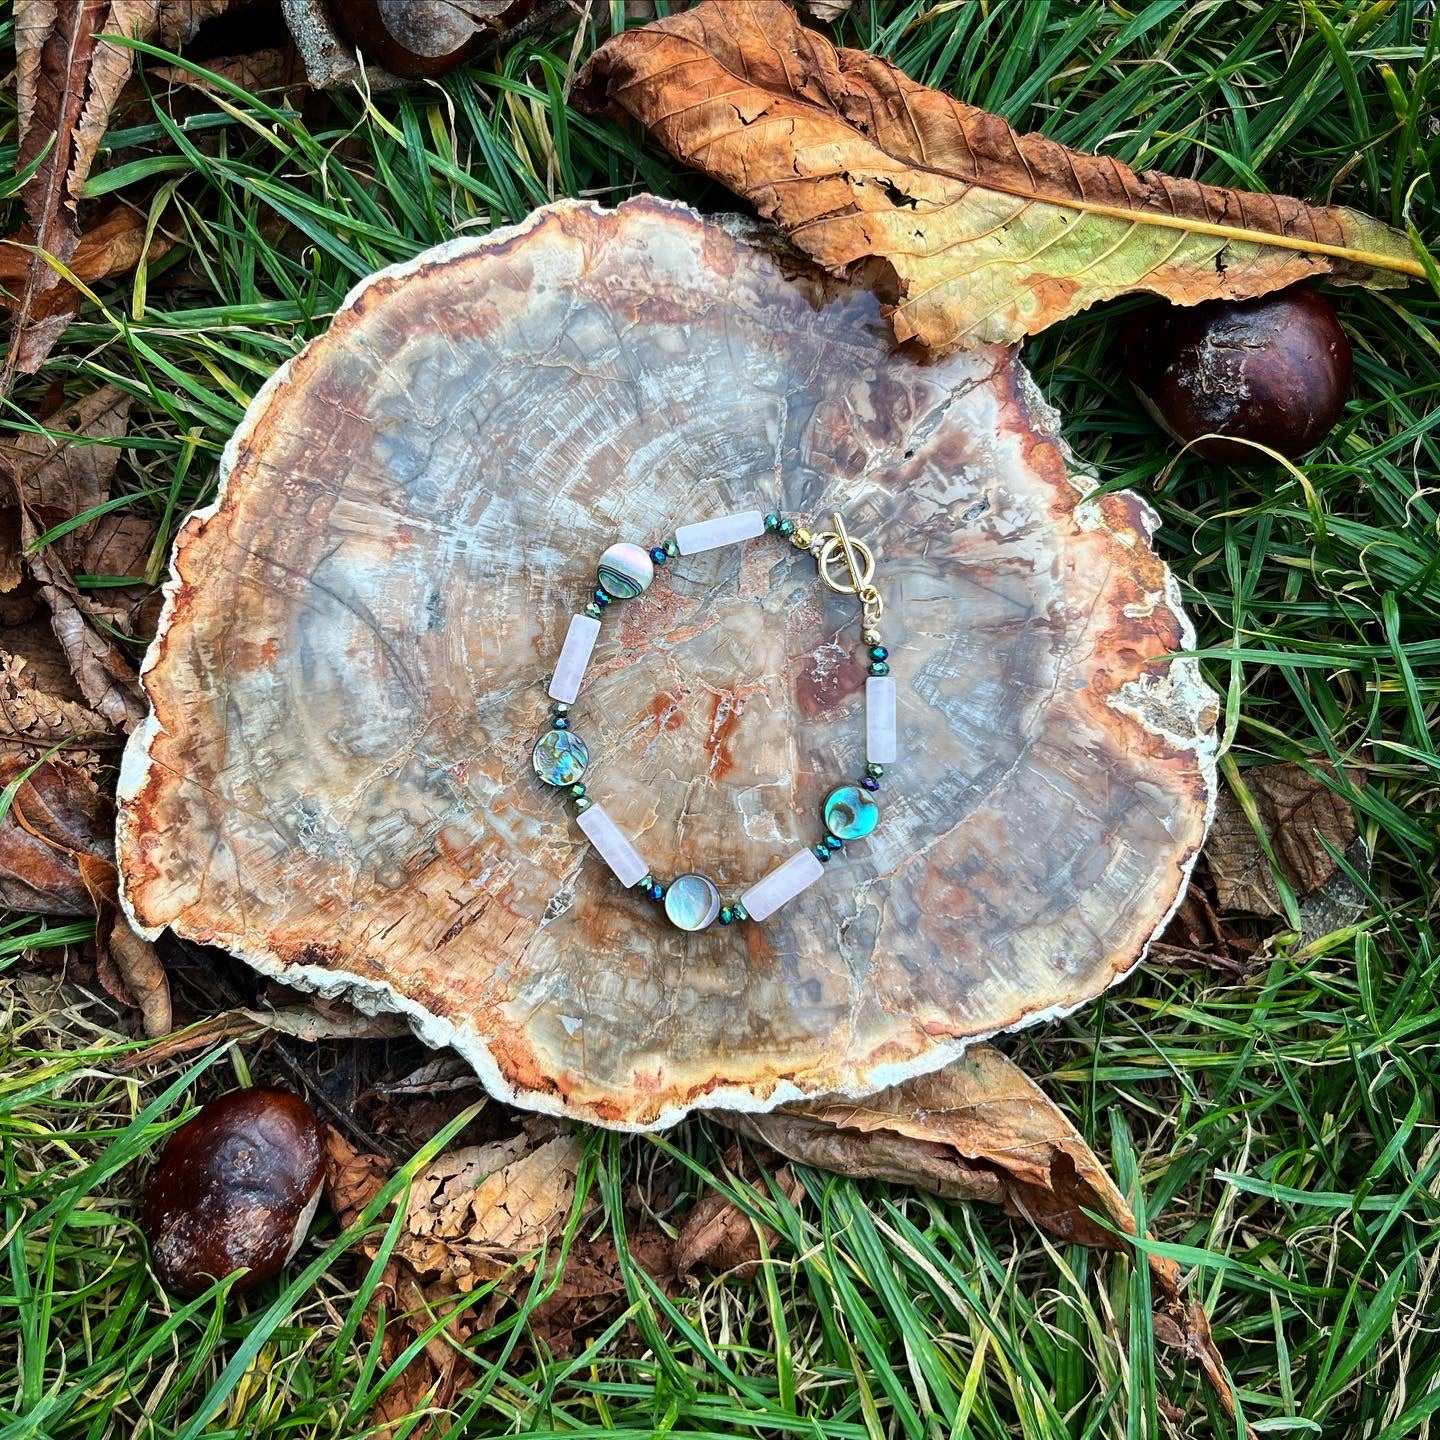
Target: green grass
(1279,1135)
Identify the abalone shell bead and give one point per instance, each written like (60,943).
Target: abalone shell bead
(625,571)
(780,886)
(574,657)
(850,813)
(692,902)
(560,757)
(614,849)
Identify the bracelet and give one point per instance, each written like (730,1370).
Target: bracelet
(692,901)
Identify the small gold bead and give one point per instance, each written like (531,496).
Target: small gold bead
(872,637)
(801,538)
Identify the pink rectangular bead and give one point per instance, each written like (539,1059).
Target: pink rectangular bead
(782,885)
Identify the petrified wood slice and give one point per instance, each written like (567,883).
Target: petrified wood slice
(335,783)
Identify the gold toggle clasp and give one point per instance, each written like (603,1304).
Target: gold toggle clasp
(859,559)
(832,546)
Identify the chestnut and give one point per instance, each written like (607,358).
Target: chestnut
(1274,370)
(236,1186)
(419,39)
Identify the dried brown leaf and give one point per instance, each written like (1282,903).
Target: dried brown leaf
(979,1129)
(277,68)
(113,245)
(40,704)
(57,820)
(137,964)
(474,1213)
(105,677)
(70,470)
(67,82)
(299,1021)
(1299,812)
(974,232)
(718,1234)
(55,47)
(827,11)
(592,1288)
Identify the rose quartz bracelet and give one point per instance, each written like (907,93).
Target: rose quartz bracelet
(692,901)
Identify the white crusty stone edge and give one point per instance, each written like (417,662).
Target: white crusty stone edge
(1189,692)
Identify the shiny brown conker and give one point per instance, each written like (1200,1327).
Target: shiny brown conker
(419,39)
(234,1187)
(1274,370)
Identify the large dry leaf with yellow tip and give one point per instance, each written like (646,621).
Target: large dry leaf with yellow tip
(975,233)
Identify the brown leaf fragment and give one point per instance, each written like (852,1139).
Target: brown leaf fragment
(1299,812)
(105,677)
(113,245)
(277,68)
(127,964)
(57,820)
(138,967)
(299,1021)
(472,1214)
(980,1129)
(476,1212)
(827,11)
(352,1178)
(40,704)
(719,1235)
(70,469)
(974,232)
(592,1288)
(57,857)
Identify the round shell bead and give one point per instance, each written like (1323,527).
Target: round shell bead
(560,757)
(625,571)
(850,813)
(692,902)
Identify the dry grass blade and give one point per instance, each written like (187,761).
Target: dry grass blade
(975,233)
